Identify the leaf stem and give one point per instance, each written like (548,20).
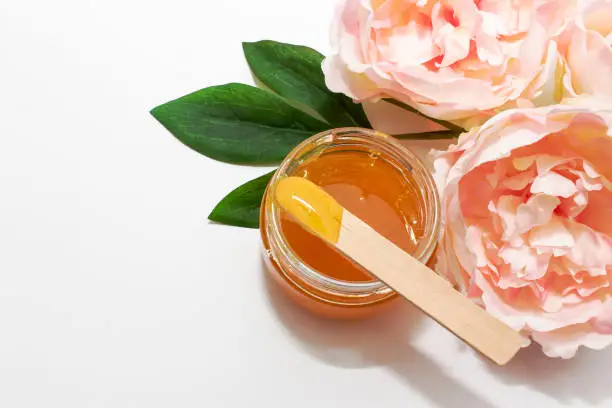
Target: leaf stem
(435,135)
(448,125)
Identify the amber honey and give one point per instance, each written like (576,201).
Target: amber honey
(376,179)
(371,188)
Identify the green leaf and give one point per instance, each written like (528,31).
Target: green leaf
(237,123)
(241,207)
(294,72)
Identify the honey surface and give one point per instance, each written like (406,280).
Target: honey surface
(374,190)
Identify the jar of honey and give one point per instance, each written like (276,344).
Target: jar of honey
(377,179)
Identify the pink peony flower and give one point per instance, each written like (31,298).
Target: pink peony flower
(451,59)
(527,203)
(586,45)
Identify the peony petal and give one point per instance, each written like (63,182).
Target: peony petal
(552,234)
(525,262)
(590,61)
(474,237)
(519,181)
(603,323)
(526,129)
(507,208)
(523,163)
(383,15)
(565,342)
(597,17)
(574,206)
(408,45)
(587,183)
(339,79)
(447,88)
(456,46)
(590,170)
(487,45)
(519,218)
(598,213)
(547,162)
(552,303)
(553,184)
(592,251)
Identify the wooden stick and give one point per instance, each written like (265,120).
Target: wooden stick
(318,212)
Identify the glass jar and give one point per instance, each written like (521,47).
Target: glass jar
(312,289)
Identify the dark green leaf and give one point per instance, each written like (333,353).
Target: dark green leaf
(294,72)
(237,123)
(241,207)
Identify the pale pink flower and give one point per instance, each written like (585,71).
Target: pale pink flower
(586,45)
(527,203)
(451,59)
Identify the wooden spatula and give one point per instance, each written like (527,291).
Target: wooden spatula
(324,217)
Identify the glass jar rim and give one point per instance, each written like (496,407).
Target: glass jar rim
(377,141)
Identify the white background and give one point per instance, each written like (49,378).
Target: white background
(115,291)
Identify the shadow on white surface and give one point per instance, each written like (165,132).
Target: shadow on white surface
(584,378)
(378,341)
